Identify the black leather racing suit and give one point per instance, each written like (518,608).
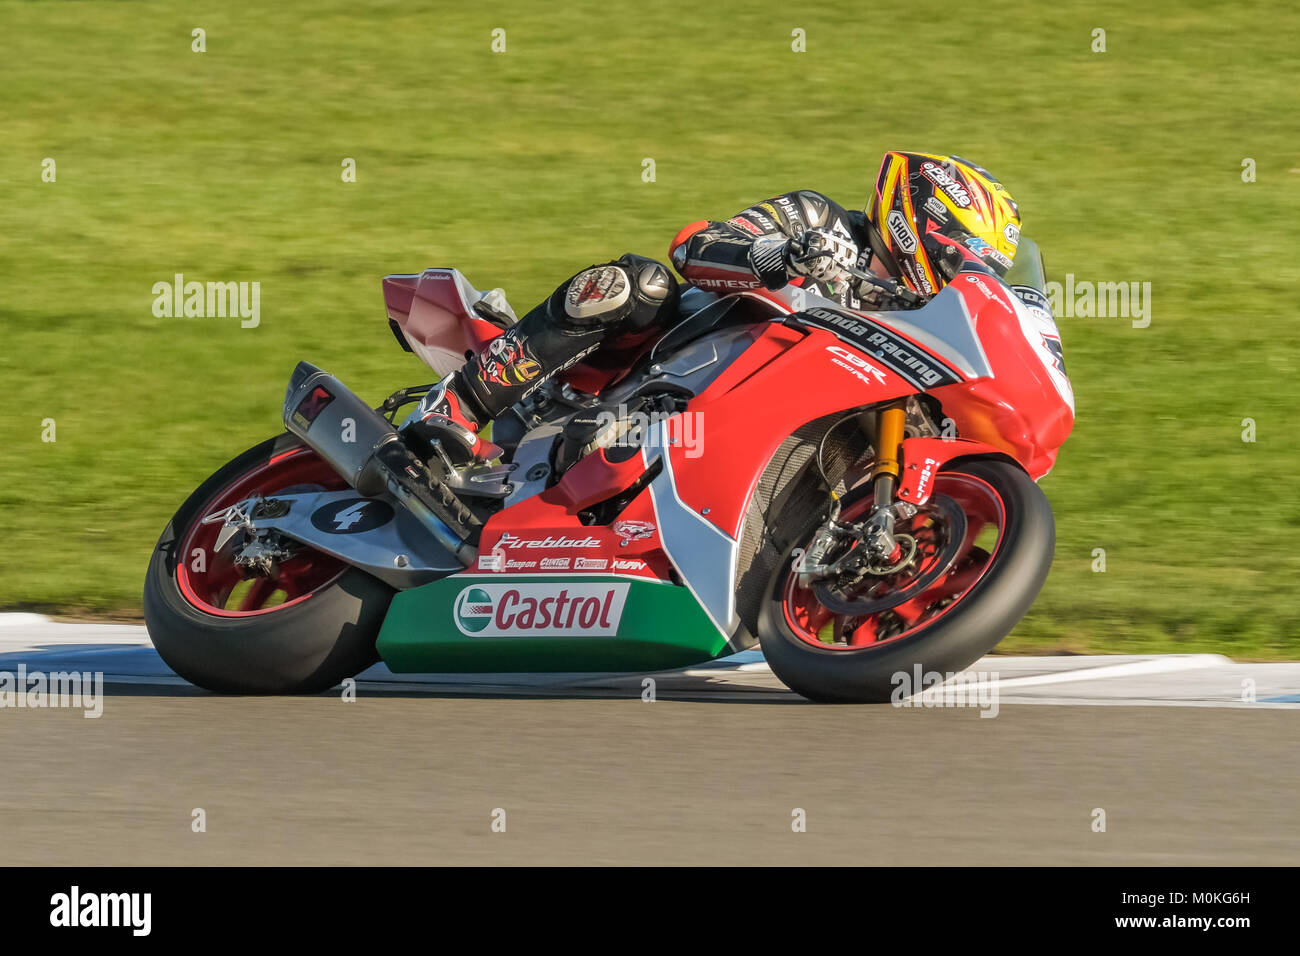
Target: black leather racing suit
(722,257)
(714,256)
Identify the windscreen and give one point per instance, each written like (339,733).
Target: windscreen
(1027,267)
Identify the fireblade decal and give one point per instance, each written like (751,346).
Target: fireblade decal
(917,367)
(508,540)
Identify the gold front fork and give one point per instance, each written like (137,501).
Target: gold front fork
(877,532)
(889,442)
(879,536)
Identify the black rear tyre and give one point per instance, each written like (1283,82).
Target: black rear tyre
(305,647)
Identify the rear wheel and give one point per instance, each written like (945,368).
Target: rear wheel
(983,547)
(308,625)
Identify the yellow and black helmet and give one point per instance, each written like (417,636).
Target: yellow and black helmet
(931,213)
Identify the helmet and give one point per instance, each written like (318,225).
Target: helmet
(931,214)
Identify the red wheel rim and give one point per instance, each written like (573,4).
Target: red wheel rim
(214,584)
(985,520)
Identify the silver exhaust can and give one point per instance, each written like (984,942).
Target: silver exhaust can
(339,426)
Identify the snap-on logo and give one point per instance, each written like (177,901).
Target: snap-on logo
(540,610)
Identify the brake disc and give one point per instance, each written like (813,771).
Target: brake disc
(954,530)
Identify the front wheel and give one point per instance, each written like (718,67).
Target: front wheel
(303,628)
(983,547)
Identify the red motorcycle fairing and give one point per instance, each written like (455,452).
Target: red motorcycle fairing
(547,524)
(923,458)
(697,499)
(998,387)
(1026,407)
(807,378)
(972,348)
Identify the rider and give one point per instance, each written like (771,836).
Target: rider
(927,217)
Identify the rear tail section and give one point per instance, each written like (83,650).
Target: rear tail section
(440,317)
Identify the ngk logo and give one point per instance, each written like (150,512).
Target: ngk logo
(540,610)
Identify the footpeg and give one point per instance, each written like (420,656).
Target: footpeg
(483,481)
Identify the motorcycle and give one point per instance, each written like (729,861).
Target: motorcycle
(853,491)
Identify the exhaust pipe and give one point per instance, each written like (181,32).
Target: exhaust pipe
(339,426)
(365,448)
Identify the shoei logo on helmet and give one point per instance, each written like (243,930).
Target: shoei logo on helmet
(1012,232)
(901,231)
(935,207)
(951,187)
(541,610)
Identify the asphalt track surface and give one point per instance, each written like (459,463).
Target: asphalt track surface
(415,770)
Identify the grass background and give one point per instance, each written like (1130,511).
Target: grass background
(519,168)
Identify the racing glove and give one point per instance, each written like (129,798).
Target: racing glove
(819,254)
(888,295)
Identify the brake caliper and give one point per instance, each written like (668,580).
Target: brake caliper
(262,553)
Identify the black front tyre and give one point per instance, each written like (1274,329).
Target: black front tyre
(315,629)
(834,658)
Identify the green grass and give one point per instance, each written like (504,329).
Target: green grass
(520,168)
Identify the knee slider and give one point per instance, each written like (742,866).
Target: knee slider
(596,296)
(654,291)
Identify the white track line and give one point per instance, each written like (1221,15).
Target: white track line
(22,619)
(125,656)
(1165,664)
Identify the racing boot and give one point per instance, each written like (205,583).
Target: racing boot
(443,416)
(630,295)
